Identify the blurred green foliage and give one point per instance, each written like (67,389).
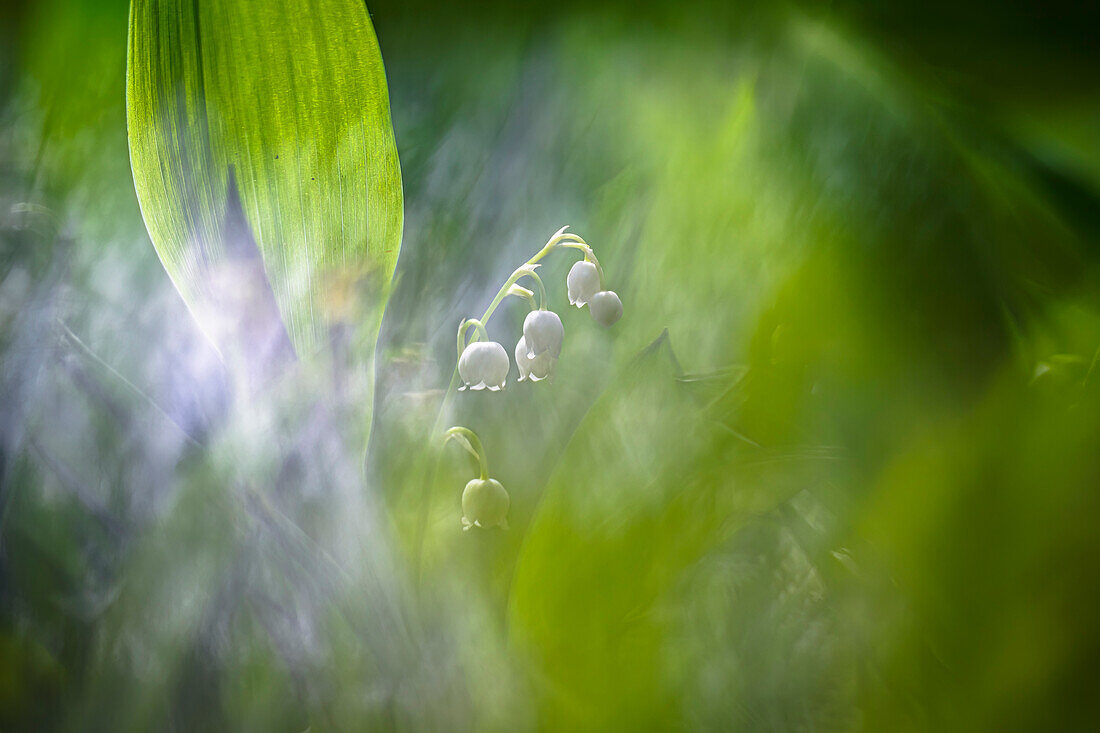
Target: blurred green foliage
(836,468)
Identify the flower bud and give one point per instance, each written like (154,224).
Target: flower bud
(582,282)
(534,369)
(543,333)
(605,307)
(485,504)
(484,364)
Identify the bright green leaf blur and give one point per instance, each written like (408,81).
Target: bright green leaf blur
(294,103)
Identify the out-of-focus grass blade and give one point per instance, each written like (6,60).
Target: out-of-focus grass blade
(290,101)
(648,486)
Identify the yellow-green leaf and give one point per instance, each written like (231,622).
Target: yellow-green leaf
(288,100)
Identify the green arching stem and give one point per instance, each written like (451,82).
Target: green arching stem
(529,271)
(521,292)
(479,328)
(527,268)
(472,445)
(560,237)
(521,271)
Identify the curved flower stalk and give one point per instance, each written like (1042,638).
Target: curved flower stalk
(485,502)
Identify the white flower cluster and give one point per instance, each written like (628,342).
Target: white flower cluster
(484,364)
(583,284)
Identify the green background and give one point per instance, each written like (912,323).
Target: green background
(836,468)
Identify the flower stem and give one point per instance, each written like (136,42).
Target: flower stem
(469,440)
(529,271)
(521,292)
(479,329)
(559,238)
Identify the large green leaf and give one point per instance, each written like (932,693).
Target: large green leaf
(288,99)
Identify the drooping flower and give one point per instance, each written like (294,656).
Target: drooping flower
(582,282)
(485,504)
(484,364)
(606,308)
(534,369)
(543,333)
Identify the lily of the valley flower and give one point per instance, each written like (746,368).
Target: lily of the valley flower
(534,369)
(483,364)
(485,504)
(543,333)
(605,307)
(582,282)
(484,501)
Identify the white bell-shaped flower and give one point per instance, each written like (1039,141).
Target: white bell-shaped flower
(485,504)
(605,307)
(582,282)
(543,334)
(534,369)
(484,364)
